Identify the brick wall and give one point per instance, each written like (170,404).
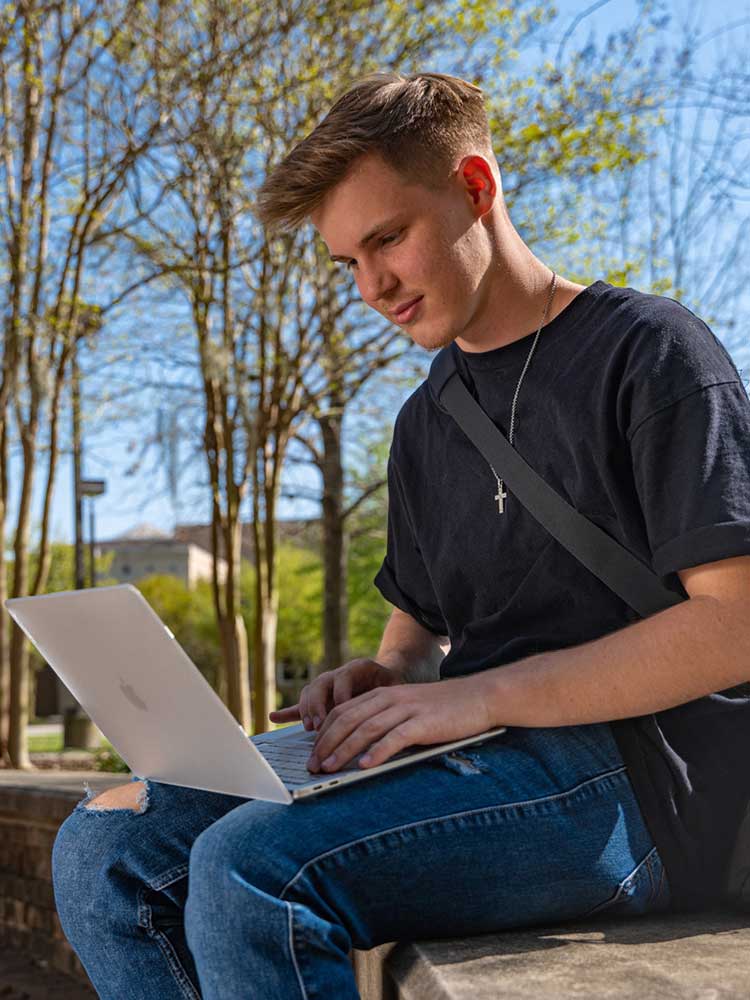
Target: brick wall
(29,820)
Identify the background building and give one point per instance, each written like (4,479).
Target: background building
(148,552)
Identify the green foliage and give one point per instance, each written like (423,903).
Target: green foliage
(62,567)
(300,582)
(299,639)
(106,758)
(368,610)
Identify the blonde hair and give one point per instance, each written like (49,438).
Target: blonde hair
(420,124)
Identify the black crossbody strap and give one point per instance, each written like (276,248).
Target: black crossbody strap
(626,575)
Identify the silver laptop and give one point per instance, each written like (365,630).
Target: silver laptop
(125,668)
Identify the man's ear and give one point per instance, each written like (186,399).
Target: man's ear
(476,176)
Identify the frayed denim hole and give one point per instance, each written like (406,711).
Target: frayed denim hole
(463,763)
(142,802)
(88,796)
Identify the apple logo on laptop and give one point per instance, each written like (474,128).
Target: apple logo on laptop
(130,694)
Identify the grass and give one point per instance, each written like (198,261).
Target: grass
(45,744)
(104,758)
(52,743)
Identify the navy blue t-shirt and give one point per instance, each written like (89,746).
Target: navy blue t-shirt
(635,413)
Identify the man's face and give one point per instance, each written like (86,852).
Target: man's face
(433,247)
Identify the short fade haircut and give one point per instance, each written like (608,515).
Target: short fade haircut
(420,124)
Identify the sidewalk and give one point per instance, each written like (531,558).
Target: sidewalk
(45,729)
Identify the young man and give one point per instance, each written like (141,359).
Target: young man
(619,784)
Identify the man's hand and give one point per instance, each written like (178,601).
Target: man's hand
(333,688)
(391,719)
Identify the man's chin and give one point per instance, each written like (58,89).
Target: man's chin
(431,339)
(433,342)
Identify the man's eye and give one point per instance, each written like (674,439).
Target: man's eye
(383,239)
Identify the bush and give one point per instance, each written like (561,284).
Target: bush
(106,758)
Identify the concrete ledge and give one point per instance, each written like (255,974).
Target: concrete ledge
(33,804)
(67,785)
(670,957)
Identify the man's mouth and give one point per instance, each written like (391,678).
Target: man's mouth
(406,312)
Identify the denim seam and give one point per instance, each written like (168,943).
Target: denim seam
(290,911)
(173,962)
(168,877)
(623,886)
(634,874)
(450,816)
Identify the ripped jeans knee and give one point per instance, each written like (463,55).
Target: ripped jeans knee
(464,762)
(118,799)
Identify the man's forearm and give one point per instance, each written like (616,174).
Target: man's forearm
(675,656)
(411,651)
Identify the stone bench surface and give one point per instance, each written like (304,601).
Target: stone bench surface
(702,956)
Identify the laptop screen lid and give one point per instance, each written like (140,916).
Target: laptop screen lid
(125,668)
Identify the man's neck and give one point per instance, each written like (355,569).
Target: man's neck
(515,300)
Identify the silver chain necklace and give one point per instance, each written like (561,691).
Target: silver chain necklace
(500,496)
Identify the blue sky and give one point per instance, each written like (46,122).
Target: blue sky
(135,499)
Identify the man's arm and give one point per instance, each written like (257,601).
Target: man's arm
(685,652)
(410,650)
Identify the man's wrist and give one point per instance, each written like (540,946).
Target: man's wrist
(510,693)
(395,662)
(408,669)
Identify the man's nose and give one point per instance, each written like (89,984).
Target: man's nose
(375,284)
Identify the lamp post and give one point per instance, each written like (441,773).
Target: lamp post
(80,582)
(91,488)
(78,729)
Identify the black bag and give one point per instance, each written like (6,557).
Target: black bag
(738,880)
(618,568)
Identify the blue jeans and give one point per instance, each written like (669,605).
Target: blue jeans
(215,896)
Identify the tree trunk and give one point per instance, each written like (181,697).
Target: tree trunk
(4,619)
(19,656)
(265,678)
(266,606)
(220,681)
(335,602)
(238,669)
(243,672)
(19,700)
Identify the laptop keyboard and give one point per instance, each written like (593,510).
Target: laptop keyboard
(289,758)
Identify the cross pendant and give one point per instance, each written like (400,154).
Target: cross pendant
(500,496)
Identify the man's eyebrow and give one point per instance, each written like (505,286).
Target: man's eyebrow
(371,234)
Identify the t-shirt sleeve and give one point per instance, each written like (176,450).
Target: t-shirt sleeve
(403,579)
(691,463)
